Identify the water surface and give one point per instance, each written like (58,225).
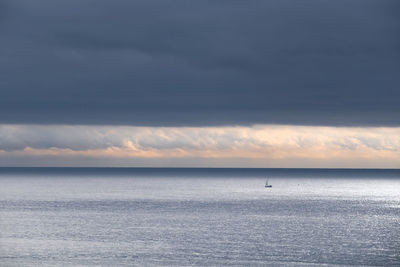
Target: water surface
(200,217)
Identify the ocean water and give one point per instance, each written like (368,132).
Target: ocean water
(199,217)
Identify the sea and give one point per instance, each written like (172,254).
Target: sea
(199,217)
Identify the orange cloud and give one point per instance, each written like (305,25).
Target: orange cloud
(260,142)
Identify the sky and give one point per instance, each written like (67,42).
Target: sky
(277,83)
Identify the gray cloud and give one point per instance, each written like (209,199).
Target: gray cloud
(200,63)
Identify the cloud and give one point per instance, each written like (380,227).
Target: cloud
(268,143)
(203,63)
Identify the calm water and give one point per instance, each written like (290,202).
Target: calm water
(178,217)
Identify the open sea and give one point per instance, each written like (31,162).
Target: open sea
(199,217)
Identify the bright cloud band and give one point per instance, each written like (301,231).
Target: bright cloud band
(257,146)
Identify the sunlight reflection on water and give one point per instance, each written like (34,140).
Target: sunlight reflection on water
(205,220)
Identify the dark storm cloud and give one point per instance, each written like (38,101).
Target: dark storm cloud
(200,62)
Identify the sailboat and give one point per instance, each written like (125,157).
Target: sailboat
(266,183)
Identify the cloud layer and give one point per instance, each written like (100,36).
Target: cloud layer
(200,63)
(261,146)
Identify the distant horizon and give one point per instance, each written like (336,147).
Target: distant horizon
(200,168)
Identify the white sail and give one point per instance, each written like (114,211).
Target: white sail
(266,183)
